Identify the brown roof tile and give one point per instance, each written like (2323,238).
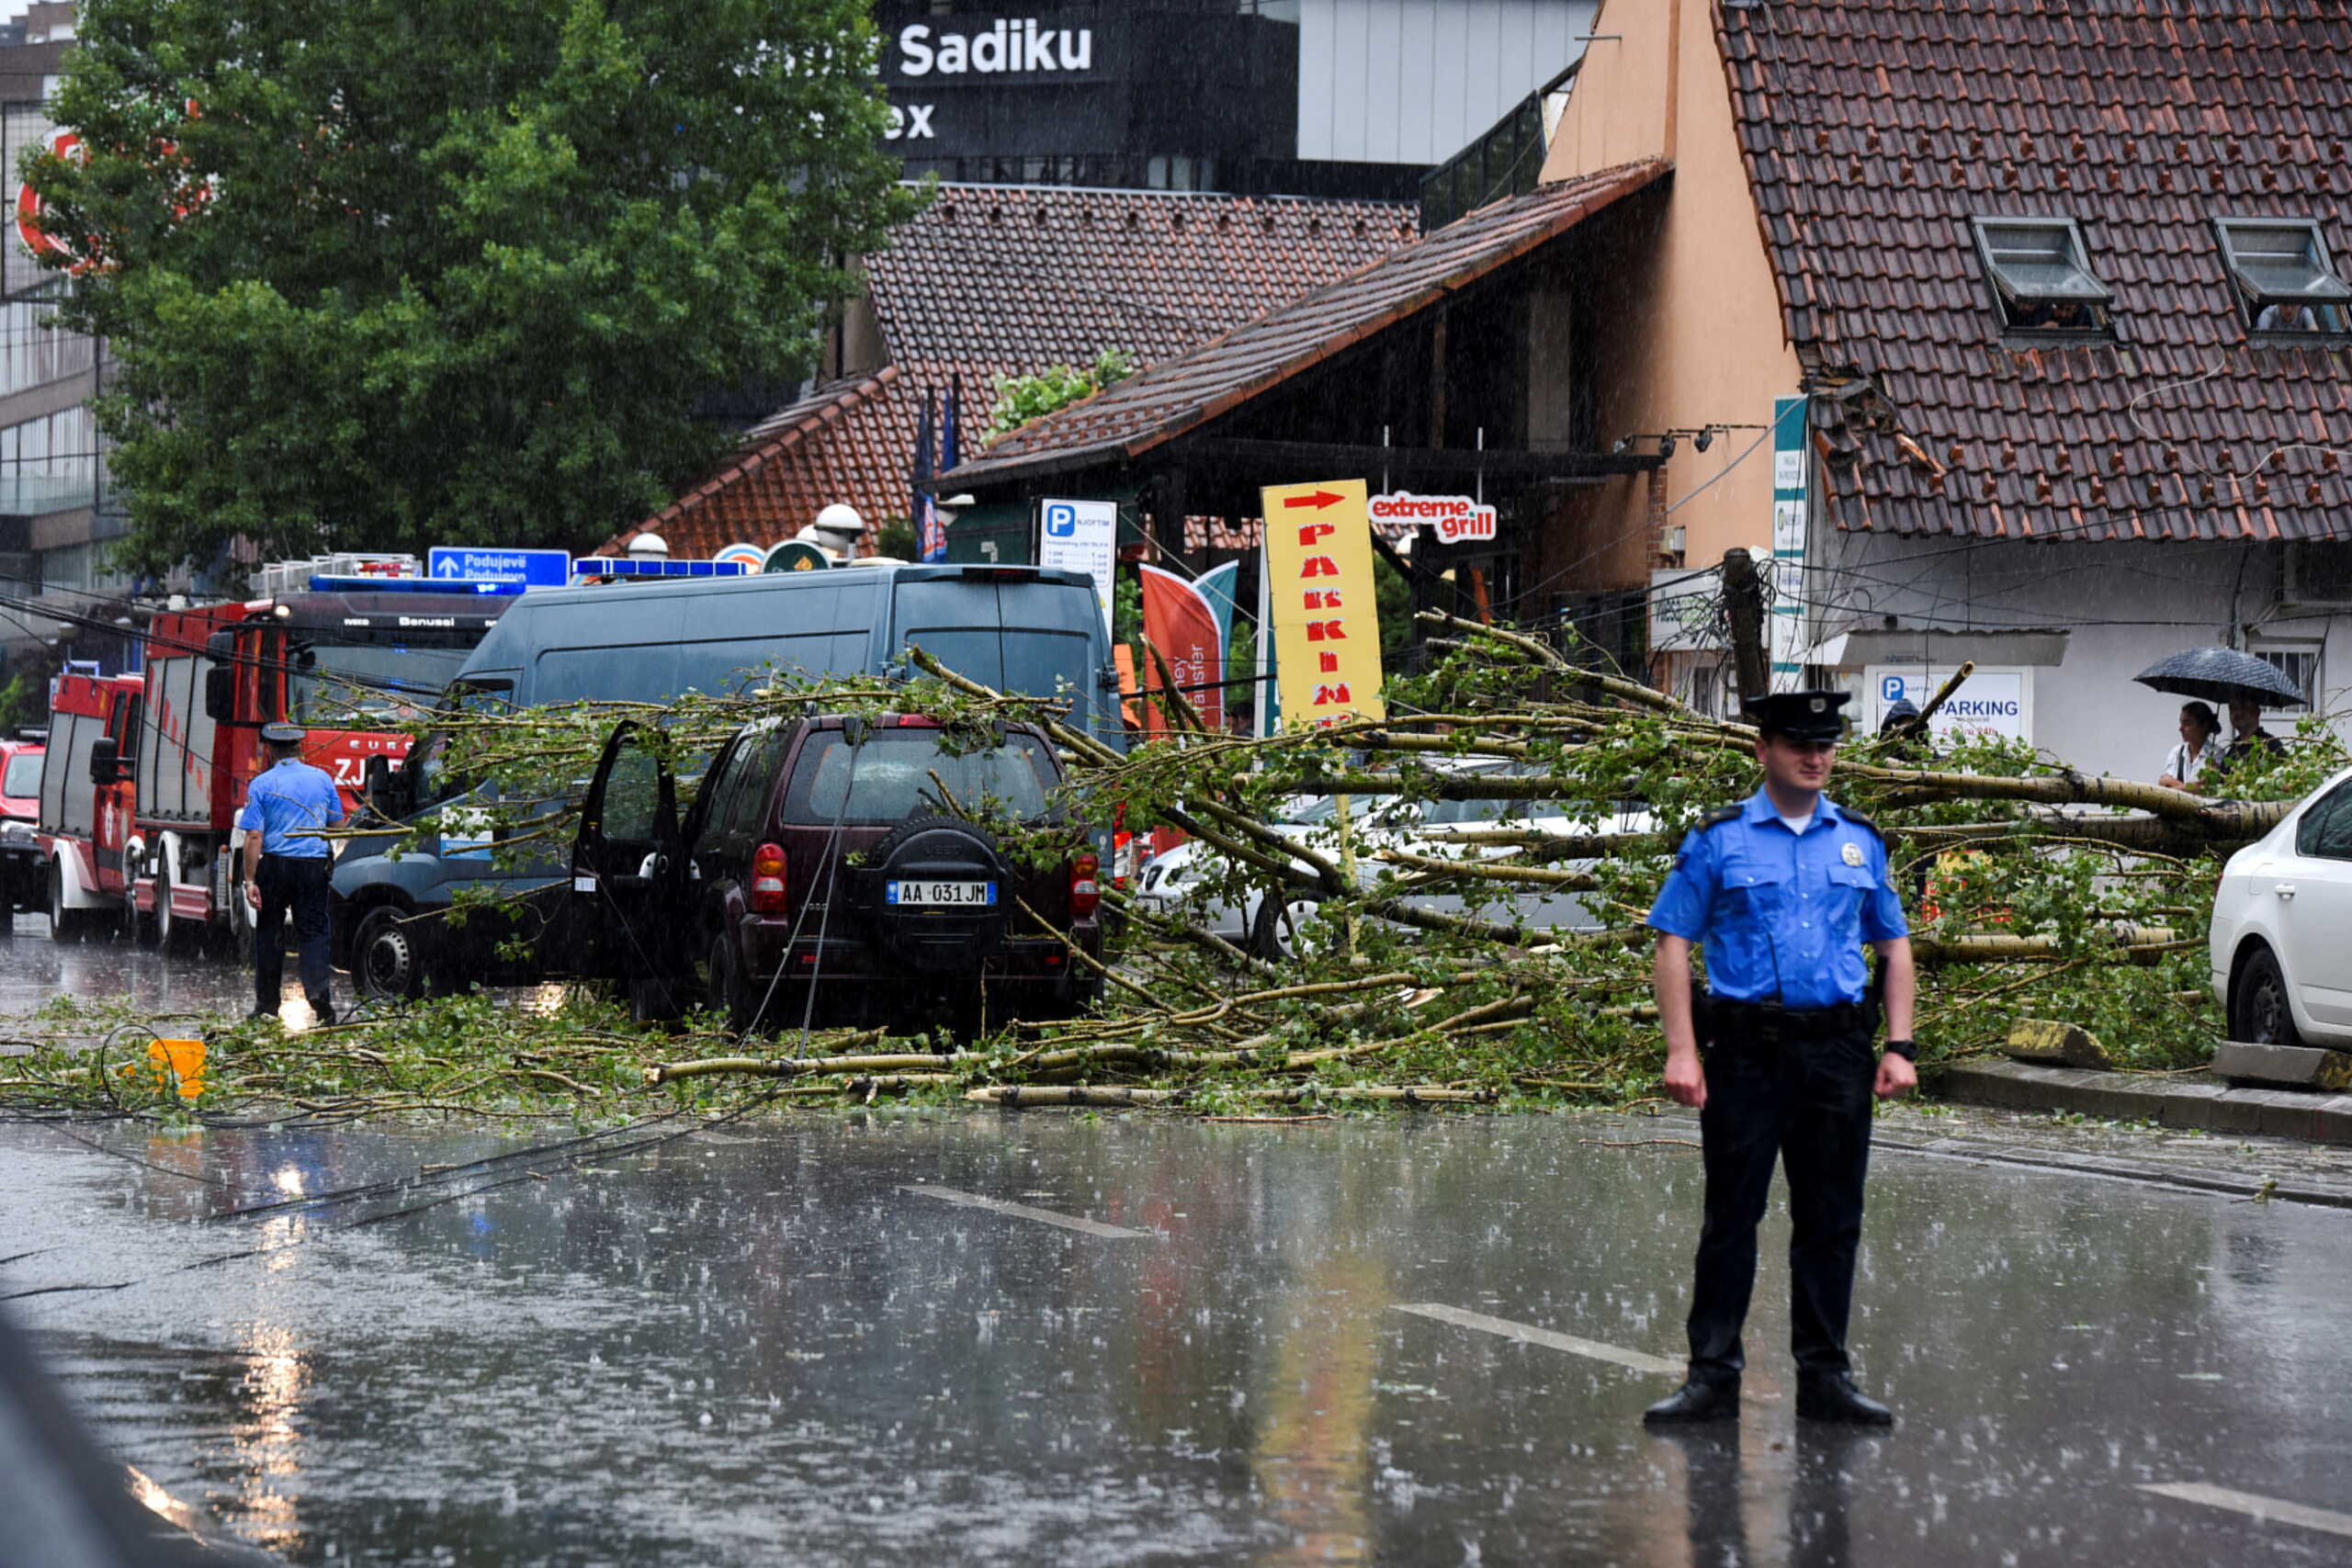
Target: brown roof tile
(998,280)
(1187,392)
(1873,130)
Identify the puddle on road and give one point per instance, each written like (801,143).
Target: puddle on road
(754,1348)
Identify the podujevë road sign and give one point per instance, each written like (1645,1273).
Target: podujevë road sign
(535,568)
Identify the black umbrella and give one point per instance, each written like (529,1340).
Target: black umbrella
(2221,676)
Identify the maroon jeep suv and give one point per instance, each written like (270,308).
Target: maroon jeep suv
(839,870)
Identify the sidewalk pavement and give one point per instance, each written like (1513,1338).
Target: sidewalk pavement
(2198,1101)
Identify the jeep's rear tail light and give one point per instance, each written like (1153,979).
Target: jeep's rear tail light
(1085,893)
(767,880)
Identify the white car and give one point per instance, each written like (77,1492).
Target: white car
(1178,884)
(2282,927)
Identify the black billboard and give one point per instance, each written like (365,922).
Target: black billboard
(1167,94)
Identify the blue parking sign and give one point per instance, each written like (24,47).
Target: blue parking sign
(1890,688)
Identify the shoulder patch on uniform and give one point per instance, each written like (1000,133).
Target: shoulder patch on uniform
(1859,820)
(1724,814)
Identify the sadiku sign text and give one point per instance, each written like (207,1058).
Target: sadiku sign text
(1455,517)
(1012,45)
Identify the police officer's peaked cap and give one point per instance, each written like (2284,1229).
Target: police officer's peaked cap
(1800,716)
(284,734)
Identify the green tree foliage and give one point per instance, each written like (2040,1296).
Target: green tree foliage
(895,538)
(20,701)
(1020,399)
(392,273)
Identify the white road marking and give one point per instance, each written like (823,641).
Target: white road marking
(1023,1210)
(1527,1334)
(2263,1511)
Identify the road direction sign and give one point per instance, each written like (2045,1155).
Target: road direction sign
(533,568)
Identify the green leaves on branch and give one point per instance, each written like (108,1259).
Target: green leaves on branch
(1020,399)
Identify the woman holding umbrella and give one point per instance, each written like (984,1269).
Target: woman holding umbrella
(2200,746)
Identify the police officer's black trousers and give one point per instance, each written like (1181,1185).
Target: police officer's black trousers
(292,885)
(1804,1100)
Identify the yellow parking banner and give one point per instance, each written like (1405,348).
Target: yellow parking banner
(1319,594)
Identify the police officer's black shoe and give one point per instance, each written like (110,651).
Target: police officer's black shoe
(259,1013)
(322,1009)
(1694,1401)
(1833,1397)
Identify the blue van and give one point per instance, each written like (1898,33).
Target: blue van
(1025,630)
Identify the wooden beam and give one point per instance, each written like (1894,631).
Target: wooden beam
(1333,459)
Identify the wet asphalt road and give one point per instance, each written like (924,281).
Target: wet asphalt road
(33,969)
(757,1346)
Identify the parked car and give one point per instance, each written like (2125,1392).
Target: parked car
(840,867)
(1184,882)
(1021,629)
(2281,940)
(23,881)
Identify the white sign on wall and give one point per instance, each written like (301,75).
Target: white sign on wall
(1081,535)
(1993,702)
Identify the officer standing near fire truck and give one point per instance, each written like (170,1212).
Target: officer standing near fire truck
(288,862)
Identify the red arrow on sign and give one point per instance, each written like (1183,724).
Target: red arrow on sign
(1320,499)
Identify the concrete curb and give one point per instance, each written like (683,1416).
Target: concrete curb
(2206,1103)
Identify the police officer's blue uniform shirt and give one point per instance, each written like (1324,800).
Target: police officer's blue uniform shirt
(288,803)
(1780,914)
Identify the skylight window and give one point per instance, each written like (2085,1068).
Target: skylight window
(2285,280)
(2040,274)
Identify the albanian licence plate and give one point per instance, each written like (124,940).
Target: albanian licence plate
(940,895)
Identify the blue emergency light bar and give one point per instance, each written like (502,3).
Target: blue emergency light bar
(620,566)
(469,587)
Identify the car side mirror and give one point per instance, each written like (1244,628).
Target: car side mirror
(221,694)
(388,788)
(107,765)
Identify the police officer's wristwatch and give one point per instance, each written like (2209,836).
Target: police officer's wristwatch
(1906,1049)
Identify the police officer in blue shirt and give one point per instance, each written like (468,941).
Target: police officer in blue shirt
(1781,891)
(288,862)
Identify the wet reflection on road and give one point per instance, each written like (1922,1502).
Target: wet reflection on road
(752,1345)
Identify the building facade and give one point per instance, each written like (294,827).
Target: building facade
(2057,301)
(55,514)
(1304,98)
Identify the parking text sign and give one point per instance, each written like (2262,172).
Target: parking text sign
(1991,702)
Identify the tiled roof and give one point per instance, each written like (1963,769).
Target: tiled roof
(1008,280)
(846,441)
(1873,130)
(1005,281)
(1194,388)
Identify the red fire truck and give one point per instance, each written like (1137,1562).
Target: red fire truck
(85,800)
(332,657)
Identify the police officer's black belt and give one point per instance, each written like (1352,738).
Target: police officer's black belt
(1772,1018)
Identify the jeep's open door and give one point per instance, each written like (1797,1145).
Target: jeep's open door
(627,874)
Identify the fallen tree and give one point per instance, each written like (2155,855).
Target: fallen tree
(1502,960)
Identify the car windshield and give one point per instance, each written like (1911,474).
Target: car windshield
(898,773)
(23,779)
(372,686)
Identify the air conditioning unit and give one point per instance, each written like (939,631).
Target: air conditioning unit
(2319,574)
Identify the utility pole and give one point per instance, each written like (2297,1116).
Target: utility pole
(1744,599)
